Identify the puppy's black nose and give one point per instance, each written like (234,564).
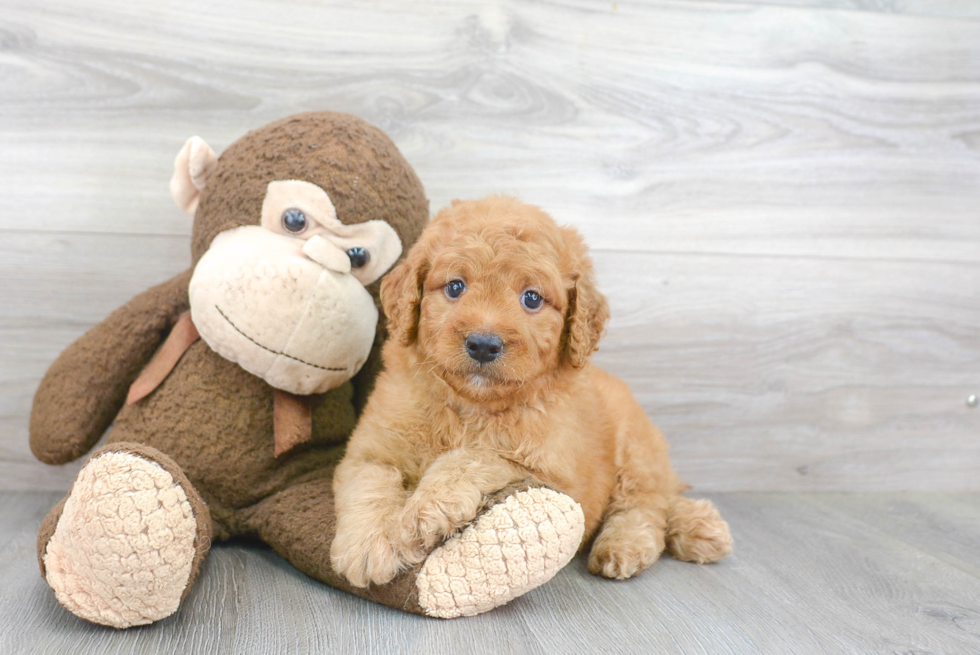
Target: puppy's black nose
(484,347)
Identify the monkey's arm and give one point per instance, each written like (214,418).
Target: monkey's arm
(86,386)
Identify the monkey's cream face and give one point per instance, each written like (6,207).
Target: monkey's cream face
(285,300)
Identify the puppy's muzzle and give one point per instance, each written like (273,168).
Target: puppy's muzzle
(483,347)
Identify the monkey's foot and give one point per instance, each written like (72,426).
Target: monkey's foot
(518,544)
(127,544)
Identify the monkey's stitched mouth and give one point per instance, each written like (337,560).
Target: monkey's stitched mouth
(274,352)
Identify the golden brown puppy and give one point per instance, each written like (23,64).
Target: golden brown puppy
(493,316)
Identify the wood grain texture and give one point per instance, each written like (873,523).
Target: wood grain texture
(811,573)
(782,196)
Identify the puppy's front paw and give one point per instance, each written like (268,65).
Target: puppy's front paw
(365,557)
(428,518)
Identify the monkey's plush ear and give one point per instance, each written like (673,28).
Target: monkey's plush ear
(193,166)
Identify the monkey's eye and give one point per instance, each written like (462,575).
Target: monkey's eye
(295,221)
(455,288)
(532,300)
(359,257)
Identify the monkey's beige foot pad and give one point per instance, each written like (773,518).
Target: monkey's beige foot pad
(517,545)
(123,549)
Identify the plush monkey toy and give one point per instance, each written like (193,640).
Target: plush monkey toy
(233,387)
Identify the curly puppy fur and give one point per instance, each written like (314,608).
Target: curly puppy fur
(442,429)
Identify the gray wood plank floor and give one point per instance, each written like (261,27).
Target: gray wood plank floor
(781,196)
(811,573)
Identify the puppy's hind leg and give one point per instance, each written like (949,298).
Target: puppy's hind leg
(634,529)
(696,532)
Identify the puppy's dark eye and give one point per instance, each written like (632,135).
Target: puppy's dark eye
(455,289)
(532,300)
(359,257)
(295,221)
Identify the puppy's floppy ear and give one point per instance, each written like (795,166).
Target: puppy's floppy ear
(401,294)
(588,309)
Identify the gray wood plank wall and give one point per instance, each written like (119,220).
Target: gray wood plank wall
(783,197)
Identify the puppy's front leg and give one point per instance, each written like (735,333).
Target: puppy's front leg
(449,495)
(368,497)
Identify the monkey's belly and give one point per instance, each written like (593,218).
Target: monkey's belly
(215,420)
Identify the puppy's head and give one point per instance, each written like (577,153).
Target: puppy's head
(495,295)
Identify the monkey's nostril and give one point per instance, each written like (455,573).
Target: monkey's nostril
(483,347)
